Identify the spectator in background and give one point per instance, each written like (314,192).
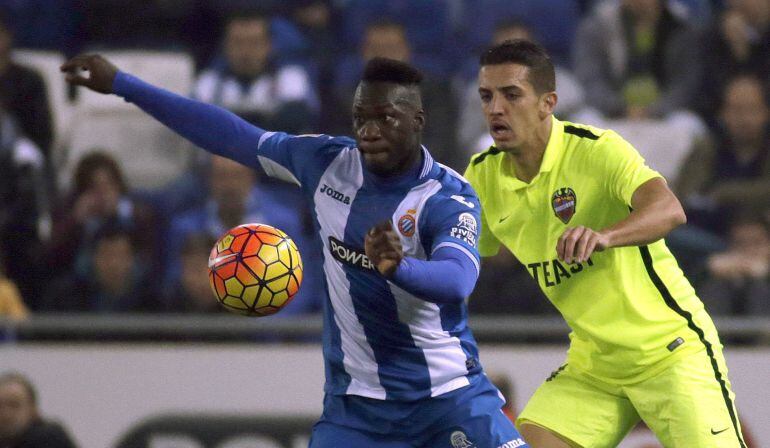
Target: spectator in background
(236,197)
(11,304)
(114,279)
(737,42)
(249,81)
(733,170)
(23,93)
(473,134)
(99,194)
(21,425)
(637,59)
(192,292)
(389,40)
(739,278)
(316,21)
(24,209)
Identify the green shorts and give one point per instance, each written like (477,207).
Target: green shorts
(690,404)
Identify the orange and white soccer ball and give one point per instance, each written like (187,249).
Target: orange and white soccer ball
(255,269)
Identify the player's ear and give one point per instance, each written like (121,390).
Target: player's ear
(548,102)
(419,119)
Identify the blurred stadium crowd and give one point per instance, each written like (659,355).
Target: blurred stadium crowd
(102,210)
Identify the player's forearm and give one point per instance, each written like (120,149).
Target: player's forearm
(448,279)
(647,224)
(212,128)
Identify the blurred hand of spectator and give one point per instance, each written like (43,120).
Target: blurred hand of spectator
(735,266)
(748,256)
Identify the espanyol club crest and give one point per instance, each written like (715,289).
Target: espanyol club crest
(563,202)
(406,225)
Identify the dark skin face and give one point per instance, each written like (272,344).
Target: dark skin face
(387,123)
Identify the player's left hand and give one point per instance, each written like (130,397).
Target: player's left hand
(383,247)
(577,244)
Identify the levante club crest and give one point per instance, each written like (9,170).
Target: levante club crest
(563,202)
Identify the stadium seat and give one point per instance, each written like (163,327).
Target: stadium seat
(149,153)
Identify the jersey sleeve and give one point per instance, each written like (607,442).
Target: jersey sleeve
(623,168)
(298,159)
(453,222)
(294,158)
(488,244)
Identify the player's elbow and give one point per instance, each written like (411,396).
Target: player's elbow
(457,291)
(677,214)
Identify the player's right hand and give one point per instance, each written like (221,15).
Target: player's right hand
(100,76)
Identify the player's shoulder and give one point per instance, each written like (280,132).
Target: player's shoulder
(490,157)
(452,182)
(586,135)
(316,141)
(452,191)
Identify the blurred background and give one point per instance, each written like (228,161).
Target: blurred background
(107,218)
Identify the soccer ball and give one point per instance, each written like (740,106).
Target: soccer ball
(255,270)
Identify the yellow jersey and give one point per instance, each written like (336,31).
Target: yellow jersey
(631,310)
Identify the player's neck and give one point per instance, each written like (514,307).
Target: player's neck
(528,158)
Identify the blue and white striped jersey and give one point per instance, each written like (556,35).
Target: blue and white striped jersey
(380,341)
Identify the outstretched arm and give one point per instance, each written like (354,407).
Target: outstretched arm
(212,128)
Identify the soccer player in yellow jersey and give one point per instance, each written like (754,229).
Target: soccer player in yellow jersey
(581,210)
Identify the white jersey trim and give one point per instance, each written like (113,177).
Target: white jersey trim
(276,170)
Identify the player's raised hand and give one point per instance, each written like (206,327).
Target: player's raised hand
(577,244)
(101,72)
(383,247)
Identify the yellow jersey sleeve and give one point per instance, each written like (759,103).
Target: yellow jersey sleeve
(623,168)
(488,244)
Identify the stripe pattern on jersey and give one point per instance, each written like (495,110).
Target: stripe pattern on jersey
(672,303)
(357,355)
(444,355)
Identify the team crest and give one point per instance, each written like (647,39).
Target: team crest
(406,225)
(563,202)
(460,440)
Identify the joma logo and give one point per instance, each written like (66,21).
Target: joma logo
(334,194)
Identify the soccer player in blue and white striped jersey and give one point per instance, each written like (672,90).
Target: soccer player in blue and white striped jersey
(400,258)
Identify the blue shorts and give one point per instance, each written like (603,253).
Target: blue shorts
(469,417)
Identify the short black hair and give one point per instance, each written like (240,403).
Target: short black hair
(525,52)
(88,165)
(26,383)
(391,70)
